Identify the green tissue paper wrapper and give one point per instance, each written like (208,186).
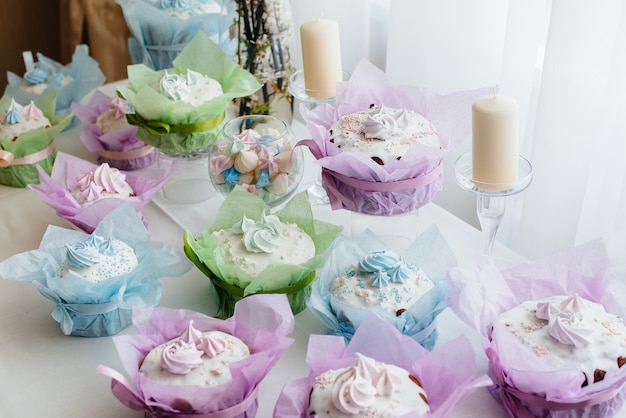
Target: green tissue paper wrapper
(232,284)
(205,57)
(31,142)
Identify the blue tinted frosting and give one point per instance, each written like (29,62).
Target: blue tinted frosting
(378,261)
(14,113)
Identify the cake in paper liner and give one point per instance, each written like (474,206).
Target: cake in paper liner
(87,309)
(446,383)
(118,147)
(230,284)
(56,191)
(429,252)
(158,36)
(21,158)
(354,181)
(262,322)
(180,128)
(523,384)
(71,82)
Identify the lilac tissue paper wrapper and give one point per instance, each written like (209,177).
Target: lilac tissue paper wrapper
(429,251)
(450,115)
(445,384)
(56,190)
(140,287)
(479,295)
(261,321)
(121,140)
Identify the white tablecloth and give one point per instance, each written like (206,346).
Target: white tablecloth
(45,373)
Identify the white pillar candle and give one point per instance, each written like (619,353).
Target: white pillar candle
(495,142)
(321,57)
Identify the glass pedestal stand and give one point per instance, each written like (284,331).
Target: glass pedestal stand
(491,204)
(317,193)
(190,183)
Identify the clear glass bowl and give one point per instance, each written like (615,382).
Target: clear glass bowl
(259,153)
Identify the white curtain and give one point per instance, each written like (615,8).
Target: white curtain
(564,61)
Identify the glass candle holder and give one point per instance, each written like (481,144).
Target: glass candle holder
(257,152)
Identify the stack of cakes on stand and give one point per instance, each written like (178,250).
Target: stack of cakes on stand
(363,275)
(27,135)
(189,364)
(180,110)
(380,373)
(106,132)
(249,249)
(162,28)
(552,330)
(71,82)
(84,193)
(96,279)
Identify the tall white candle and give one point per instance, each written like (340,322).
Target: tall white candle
(495,142)
(321,57)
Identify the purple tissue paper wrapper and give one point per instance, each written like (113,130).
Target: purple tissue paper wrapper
(121,140)
(261,321)
(56,191)
(479,295)
(450,114)
(446,384)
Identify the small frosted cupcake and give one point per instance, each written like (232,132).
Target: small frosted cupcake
(106,132)
(96,279)
(184,363)
(556,348)
(380,373)
(83,192)
(71,82)
(27,135)
(364,275)
(250,249)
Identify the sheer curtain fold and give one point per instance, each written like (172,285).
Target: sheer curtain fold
(565,63)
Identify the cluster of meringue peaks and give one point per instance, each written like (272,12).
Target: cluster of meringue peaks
(566,320)
(386,266)
(184,354)
(104,181)
(16,113)
(383,122)
(355,388)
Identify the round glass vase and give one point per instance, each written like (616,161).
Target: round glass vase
(259,153)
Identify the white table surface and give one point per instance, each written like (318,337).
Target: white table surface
(44,373)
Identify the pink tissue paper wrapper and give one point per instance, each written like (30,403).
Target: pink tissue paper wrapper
(56,191)
(261,321)
(122,140)
(479,295)
(446,383)
(449,114)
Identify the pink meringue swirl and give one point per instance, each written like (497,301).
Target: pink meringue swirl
(212,344)
(566,320)
(110,179)
(180,357)
(353,391)
(191,334)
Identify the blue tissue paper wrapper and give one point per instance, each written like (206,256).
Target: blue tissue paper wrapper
(84,71)
(429,251)
(98,309)
(158,38)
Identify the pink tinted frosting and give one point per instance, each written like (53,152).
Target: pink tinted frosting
(565,320)
(353,390)
(119,107)
(110,179)
(32,112)
(180,357)
(212,345)
(191,334)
